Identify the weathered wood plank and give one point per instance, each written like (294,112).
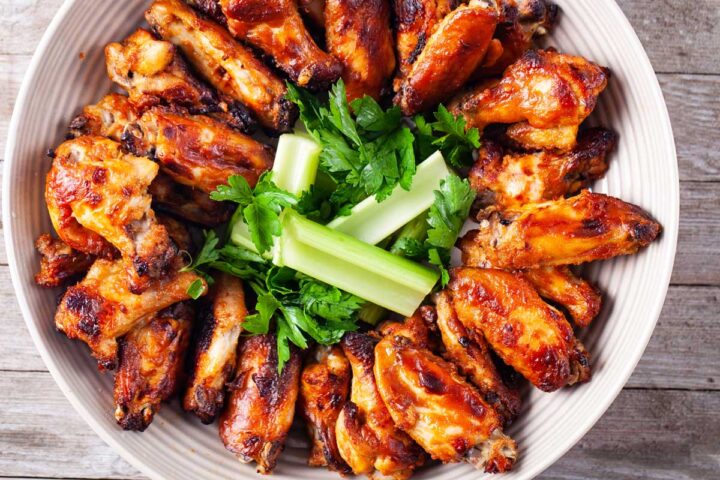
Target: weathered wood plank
(649,434)
(23,23)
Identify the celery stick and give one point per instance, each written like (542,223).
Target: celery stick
(296,163)
(240,235)
(338,259)
(371,221)
(372,314)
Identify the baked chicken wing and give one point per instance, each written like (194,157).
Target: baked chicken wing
(226,64)
(367,437)
(506,179)
(359,35)
(188,203)
(277,29)
(59,264)
(216,349)
(107,118)
(526,333)
(584,228)
(471,354)
(197,151)
(561,286)
(546,89)
(261,405)
(449,58)
(102,308)
(428,399)
(324,389)
(150,366)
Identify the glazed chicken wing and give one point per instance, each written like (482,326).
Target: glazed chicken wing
(226,64)
(102,308)
(560,285)
(97,196)
(216,349)
(188,203)
(471,354)
(107,118)
(415,22)
(150,364)
(359,35)
(197,151)
(527,333)
(514,178)
(324,389)
(367,437)
(261,406)
(547,89)
(450,57)
(277,29)
(584,228)
(59,264)
(427,398)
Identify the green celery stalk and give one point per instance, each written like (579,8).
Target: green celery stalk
(371,221)
(338,259)
(296,163)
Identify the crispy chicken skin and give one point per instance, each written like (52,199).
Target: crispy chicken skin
(277,29)
(471,354)
(358,33)
(196,150)
(367,437)
(226,64)
(150,366)
(178,231)
(547,89)
(510,178)
(107,118)
(187,203)
(324,389)
(450,57)
(428,399)
(527,333)
(560,285)
(580,229)
(527,137)
(97,196)
(59,264)
(415,22)
(216,349)
(261,405)
(102,308)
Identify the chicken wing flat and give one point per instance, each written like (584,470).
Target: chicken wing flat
(450,57)
(415,22)
(547,89)
(150,365)
(224,63)
(261,406)
(324,389)
(277,29)
(528,334)
(97,197)
(197,151)
(367,437)
(216,349)
(520,21)
(59,264)
(429,400)
(359,34)
(187,203)
(576,295)
(102,308)
(514,178)
(471,354)
(107,118)
(584,228)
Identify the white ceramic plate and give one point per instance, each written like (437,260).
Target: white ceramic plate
(176,446)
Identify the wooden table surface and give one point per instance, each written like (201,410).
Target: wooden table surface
(666,422)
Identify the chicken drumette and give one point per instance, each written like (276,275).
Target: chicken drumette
(59,264)
(107,118)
